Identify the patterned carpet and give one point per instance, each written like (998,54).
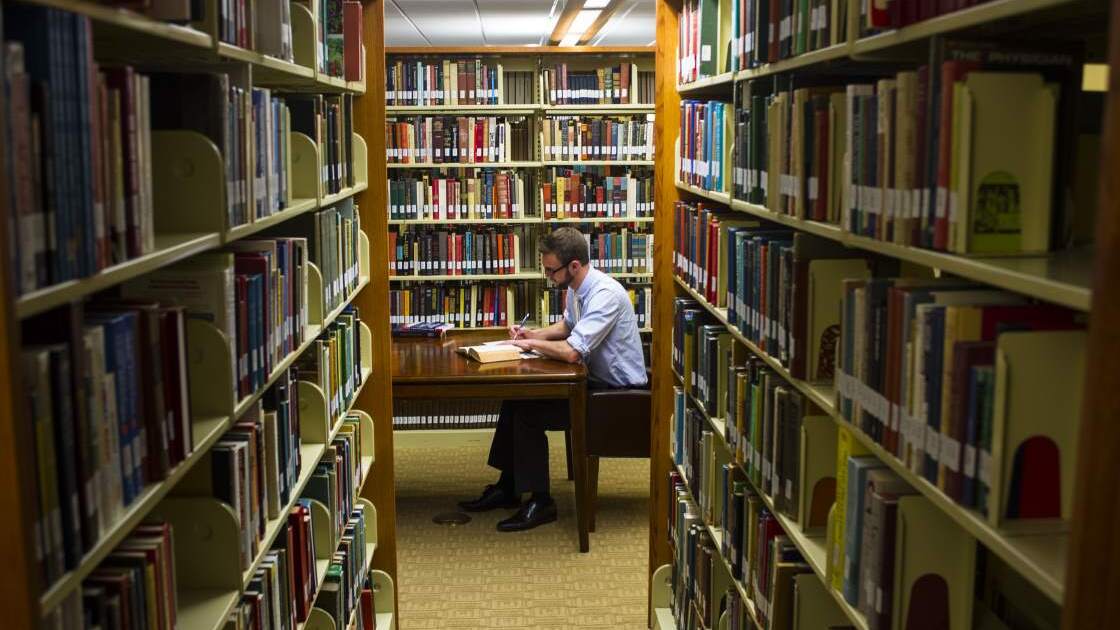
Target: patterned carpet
(471,576)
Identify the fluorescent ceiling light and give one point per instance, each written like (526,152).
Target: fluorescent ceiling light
(571,39)
(583,20)
(596,4)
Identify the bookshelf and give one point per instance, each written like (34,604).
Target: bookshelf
(1053,559)
(522,98)
(190,194)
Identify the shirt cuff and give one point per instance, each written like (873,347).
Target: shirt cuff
(579,344)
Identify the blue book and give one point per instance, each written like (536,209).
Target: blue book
(732,267)
(87,245)
(119,327)
(858,468)
(933,357)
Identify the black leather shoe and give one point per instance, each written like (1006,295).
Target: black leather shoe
(492,497)
(535,512)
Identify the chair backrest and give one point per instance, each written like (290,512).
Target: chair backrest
(618,423)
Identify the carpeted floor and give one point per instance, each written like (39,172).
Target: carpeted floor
(471,576)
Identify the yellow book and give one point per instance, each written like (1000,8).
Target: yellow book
(775,119)
(1012,130)
(962,323)
(904,141)
(846,446)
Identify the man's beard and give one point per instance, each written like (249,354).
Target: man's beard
(563,285)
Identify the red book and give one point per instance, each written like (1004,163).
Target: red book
(775,30)
(123,80)
(242,341)
(352,40)
(951,72)
(369,617)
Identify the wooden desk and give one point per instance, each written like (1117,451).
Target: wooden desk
(432,369)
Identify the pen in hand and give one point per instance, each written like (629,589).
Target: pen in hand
(515,332)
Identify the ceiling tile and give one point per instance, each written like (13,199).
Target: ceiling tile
(634,25)
(516,22)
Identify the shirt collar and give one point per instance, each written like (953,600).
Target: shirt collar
(589,282)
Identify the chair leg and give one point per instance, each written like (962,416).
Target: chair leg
(592,490)
(568,451)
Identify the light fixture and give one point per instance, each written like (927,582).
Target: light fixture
(596,4)
(578,25)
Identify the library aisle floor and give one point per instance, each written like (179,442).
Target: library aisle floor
(471,576)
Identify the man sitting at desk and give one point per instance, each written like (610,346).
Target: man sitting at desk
(600,330)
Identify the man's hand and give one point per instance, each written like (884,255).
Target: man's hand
(525,344)
(518,332)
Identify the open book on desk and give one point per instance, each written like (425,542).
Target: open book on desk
(494,351)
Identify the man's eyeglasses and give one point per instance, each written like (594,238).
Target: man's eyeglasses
(551,272)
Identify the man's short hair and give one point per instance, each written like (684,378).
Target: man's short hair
(565,243)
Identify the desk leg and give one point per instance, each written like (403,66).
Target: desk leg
(577,411)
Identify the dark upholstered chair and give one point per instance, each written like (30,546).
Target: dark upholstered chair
(618,425)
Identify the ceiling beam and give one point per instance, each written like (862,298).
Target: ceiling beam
(571,10)
(604,16)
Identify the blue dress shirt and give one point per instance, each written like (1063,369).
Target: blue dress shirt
(605,330)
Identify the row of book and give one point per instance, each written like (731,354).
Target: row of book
(346,595)
(461,194)
(782,592)
(613,250)
(891,14)
(910,158)
(250,127)
(445,414)
(135,586)
(72,222)
(255,295)
(616,84)
(107,393)
(553,303)
(426,82)
(474,305)
(586,138)
(703,144)
(334,246)
(931,408)
(863,508)
(334,361)
(279,595)
(455,253)
(918,373)
(760,31)
(588,192)
(340,51)
(458,139)
(254,465)
(328,119)
(764,32)
(780,286)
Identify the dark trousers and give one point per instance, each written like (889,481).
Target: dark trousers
(520,445)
